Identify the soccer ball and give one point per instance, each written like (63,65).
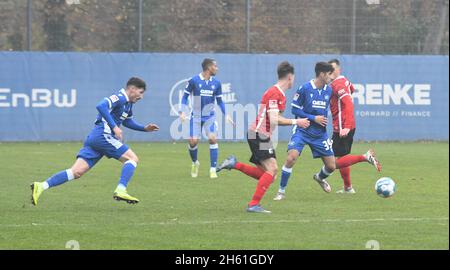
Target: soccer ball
(385,187)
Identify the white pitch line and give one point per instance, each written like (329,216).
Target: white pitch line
(218,222)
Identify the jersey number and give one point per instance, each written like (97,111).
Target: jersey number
(328,144)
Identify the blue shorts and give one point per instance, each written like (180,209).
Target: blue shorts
(196,126)
(320,147)
(98,145)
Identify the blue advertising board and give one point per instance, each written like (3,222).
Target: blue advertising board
(51,96)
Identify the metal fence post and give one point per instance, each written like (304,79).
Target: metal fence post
(248,25)
(140,27)
(29,25)
(353,31)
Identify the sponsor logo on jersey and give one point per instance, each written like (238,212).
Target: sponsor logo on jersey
(205,92)
(319,104)
(114,98)
(273,104)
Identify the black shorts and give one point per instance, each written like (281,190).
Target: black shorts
(260,146)
(343,146)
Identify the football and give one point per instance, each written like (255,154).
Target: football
(385,187)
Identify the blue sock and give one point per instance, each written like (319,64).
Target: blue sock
(193,152)
(127,172)
(324,173)
(214,154)
(59,178)
(285,174)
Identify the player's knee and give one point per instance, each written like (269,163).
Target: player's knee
(273,169)
(77,173)
(193,142)
(133,157)
(212,141)
(290,161)
(331,167)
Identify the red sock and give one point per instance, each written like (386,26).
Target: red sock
(249,170)
(345,174)
(263,185)
(349,160)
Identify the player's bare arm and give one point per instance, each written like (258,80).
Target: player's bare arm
(321,120)
(277,117)
(151,127)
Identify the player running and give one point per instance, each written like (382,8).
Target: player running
(259,135)
(311,101)
(105,139)
(341,105)
(206,90)
(342,110)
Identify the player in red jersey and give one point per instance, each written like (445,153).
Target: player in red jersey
(259,136)
(342,110)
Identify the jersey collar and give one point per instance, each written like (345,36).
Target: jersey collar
(279,88)
(338,77)
(313,84)
(201,77)
(125,94)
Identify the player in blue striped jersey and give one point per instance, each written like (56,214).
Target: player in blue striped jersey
(106,139)
(205,90)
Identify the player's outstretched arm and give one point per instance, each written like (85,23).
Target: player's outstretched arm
(276,117)
(151,127)
(131,124)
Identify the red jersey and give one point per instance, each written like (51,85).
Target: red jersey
(273,100)
(341,104)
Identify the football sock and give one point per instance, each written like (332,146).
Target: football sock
(249,170)
(263,185)
(349,160)
(285,174)
(214,154)
(127,172)
(58,179)
(193,152)
(345,174)
(324,173)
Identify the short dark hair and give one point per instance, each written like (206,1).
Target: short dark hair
(284,68)
(323,67)
(336,61)
(137,82)
(207,62)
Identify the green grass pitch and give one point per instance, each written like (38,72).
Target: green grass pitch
(179,212)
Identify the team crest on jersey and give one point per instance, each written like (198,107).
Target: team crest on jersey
(213,87)
(341,92)
(114,98)
(311,95)
(273,104)
(200,85)
(327,96)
